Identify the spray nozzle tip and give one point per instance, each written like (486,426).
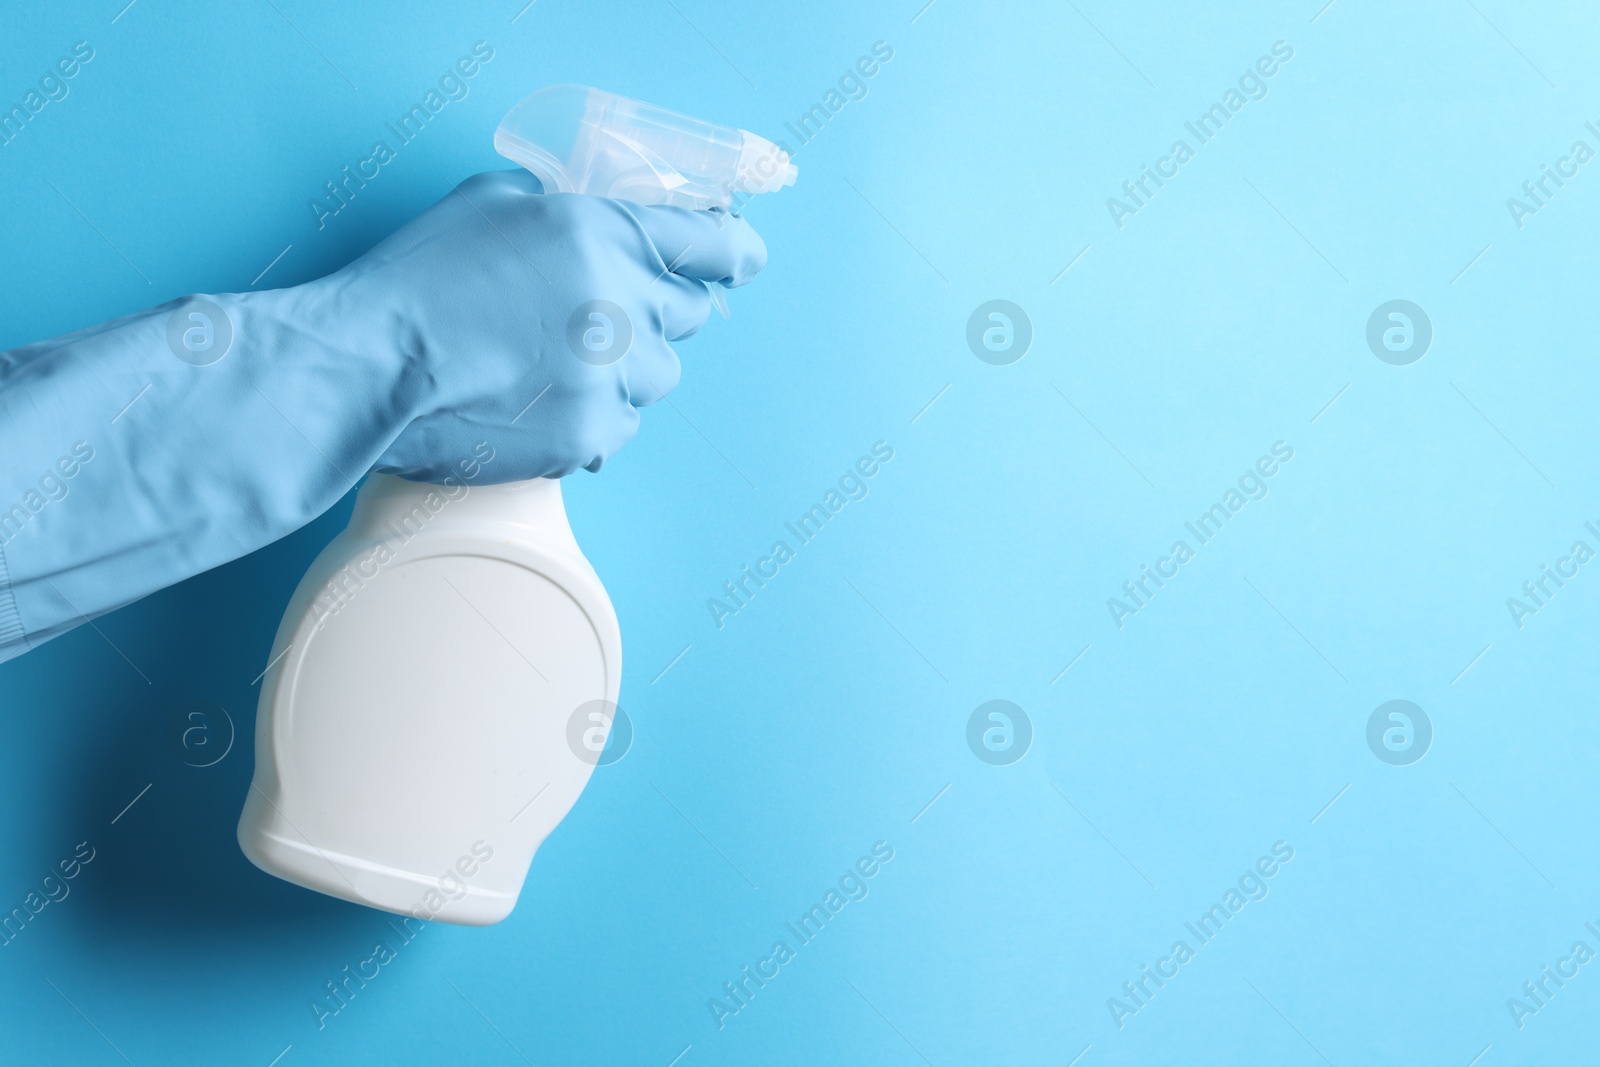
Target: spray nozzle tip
(763,166)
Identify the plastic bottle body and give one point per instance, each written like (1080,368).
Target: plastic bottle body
(413,746)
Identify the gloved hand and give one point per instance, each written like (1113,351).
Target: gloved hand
(213,426)
(496,299)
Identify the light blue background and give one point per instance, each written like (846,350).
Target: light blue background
(1224,316)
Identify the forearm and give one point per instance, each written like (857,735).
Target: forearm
(127,468)
(129,463)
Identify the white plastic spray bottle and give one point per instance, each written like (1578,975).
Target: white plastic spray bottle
(446,673)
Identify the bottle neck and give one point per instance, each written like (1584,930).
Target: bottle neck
(386,504)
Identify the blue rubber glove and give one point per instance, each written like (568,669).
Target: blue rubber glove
(143,451)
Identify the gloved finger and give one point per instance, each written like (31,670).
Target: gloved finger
(603,446)
(651,374)
(685,304)
(712,246)
(515,180)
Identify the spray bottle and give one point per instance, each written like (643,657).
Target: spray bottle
(447,672)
